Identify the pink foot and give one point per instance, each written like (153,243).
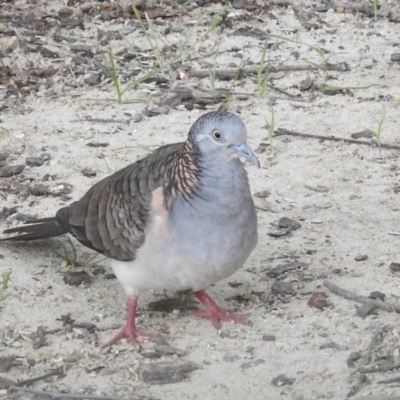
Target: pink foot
(215,313)
(129,331)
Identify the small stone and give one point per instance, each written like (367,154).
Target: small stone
(395,57)
(6,383)
(31,362)
(6,363)
(330,345)
(352,358)
(92,79)
(361,258)
(231,357)
(34,161)
(376,295)
(282,288)
(39,190)
(337,271)
(11,170)
(46,52)
(76,278)
(318,300)
(289,223)
(269,338)
(3,28)
(282,380)
(4,156)
(6,212)
(263,194)
(252,364)
(137,118)
(97,144)
(89,172)
(228,334)
(395,267)
(365,309)
(283,268)
(165,372)
(163,110)
(38,338)
(316,221)
(45,156)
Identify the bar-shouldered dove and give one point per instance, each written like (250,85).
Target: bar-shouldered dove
(181,218)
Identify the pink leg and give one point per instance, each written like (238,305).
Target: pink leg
(215,313)
(129,331)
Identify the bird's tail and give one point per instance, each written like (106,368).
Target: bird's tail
(36,229)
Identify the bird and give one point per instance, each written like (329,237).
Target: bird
(182,218)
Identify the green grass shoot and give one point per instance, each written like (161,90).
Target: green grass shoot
(114,74)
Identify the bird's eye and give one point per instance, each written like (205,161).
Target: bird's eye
(217,135)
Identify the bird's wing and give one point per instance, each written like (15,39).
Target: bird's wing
(112,217)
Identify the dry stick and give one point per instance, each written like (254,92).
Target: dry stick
(391,380)
(232,73)
(286,132)
(381,368)
(355,297)
(77,396)
(55,372)
(376,337)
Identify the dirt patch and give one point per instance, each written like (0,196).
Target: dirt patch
(328,210)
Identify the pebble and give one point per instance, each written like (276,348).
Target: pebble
(76,278)
(395,57)
(395,267)
(89,172)
(11,170)
(288,223)
(318,300)
(282,380)
(252,364)
(34,161)
(376,295)
(330,345)
(282,288)
(361,258)
(163,110)
(269,338)
(92,79)
(165,372)
(39,190)
(231,357)
(352,358)
(364,310)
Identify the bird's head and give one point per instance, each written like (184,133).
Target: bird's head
(221,134)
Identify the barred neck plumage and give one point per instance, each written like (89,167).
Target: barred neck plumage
(183,174)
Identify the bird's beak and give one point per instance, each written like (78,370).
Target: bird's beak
(245,151)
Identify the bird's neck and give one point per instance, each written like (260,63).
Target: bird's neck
(184,173)
(192,174)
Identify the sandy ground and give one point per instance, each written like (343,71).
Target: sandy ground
(345,197)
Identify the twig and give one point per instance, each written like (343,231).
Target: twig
(361,380)
(238,73)
(391,380)
(355,297)
(286,132)
(77,396)
(54,372)
(379,368)
(376,338)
